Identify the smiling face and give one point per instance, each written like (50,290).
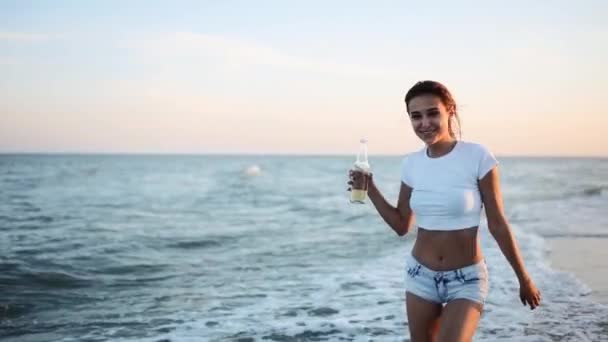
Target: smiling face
(430,118)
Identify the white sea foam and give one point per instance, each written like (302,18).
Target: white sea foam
(366,300)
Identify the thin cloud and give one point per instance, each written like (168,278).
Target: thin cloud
(26,37)
(236,52)
(8,61)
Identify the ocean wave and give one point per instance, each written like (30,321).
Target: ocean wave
(51,247)
(24,183)
(194,244)
(17,196)
(590,191)
(9,266)
(584,192)
(353,218)
(135,269)
(116,205)
(98,330)
(306,335)
(25,206)
(44,279)
(577,235)
(595,191)
(35,218)
(14,310)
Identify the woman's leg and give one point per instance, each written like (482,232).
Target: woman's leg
(422,317)
(459,320)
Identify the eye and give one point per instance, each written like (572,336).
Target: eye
(433,113)
(416,116)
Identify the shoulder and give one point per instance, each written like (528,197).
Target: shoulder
(409,166)
(480,156)
(411,157)
(475,149)
(472,146)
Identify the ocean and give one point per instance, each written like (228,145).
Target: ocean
(194,248)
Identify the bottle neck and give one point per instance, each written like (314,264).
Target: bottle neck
(362,155)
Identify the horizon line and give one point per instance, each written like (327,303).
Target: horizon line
(258,154)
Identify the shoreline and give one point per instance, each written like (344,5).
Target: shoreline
(586,258)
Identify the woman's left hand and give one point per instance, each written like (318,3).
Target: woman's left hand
(529,294)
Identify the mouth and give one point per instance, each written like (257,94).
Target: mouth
(427,133)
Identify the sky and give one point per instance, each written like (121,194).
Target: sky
(306,77)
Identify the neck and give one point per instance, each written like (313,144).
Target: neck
(441,147)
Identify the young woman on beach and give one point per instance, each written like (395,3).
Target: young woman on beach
(444,186)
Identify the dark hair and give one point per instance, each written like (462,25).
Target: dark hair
(439,90)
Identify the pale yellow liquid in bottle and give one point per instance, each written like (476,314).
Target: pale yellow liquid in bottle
(358,192)
(358,196)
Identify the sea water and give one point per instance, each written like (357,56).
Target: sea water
(196,248)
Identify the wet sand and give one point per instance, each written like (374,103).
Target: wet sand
(587,259)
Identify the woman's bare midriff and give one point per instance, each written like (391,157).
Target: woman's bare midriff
(447,250)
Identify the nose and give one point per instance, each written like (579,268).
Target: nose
(425,122)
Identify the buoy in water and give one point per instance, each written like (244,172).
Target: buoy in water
(253,171)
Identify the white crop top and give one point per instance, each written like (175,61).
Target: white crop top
(445,192)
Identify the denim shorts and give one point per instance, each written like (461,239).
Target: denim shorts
(470,282)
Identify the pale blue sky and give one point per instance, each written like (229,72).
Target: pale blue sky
(281,77)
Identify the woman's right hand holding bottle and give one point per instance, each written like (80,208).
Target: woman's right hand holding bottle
(358,185)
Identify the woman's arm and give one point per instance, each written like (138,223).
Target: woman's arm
(491,195)
(400,218)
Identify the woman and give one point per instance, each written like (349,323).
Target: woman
(445,185)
